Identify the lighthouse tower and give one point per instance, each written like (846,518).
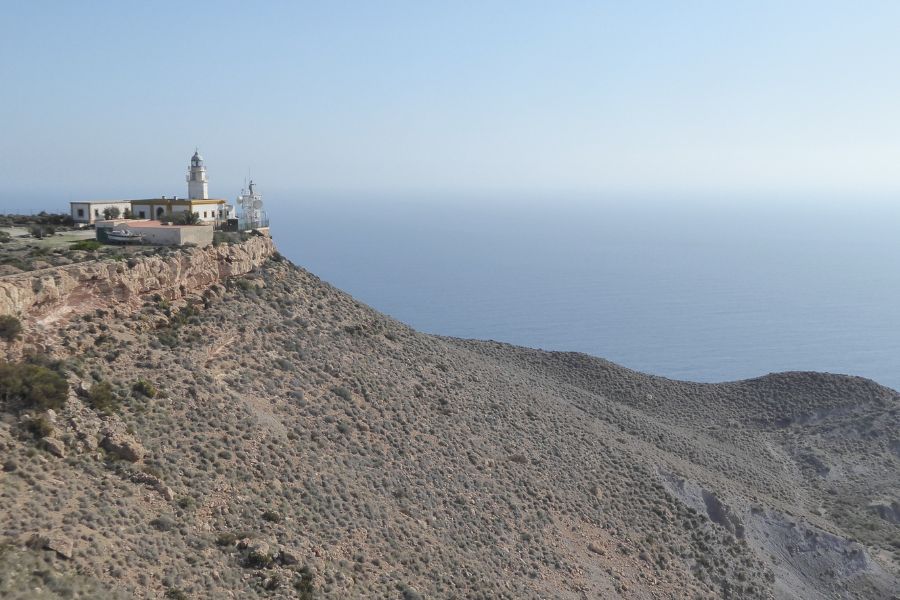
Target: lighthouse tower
(196,178)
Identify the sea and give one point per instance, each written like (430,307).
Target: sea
(704,290)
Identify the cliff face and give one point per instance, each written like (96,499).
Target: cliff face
(49,294)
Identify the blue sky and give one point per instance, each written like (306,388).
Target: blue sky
(546,98)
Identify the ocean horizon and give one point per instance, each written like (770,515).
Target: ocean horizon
(690,291)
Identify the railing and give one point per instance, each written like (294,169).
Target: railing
(242,224)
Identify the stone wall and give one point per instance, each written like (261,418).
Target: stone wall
(50,294)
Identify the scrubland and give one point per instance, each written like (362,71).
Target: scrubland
(274,438)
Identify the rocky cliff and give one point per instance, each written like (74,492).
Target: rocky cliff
(48,294)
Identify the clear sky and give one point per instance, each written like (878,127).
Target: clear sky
(106,99)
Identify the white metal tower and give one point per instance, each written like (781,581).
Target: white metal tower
(252,213)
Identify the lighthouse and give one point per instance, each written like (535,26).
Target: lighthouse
(196,178)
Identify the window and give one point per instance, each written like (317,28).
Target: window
(81,212)
(142,214)
(96,212)
(204,214)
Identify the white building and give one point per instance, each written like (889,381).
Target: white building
(215,211)
(90,211)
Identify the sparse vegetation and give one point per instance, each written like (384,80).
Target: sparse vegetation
(87,245)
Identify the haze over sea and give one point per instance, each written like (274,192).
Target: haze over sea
(692,290)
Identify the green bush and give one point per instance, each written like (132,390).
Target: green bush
(271,516)
(4,237)
(39,427)
(244,284)
(24,385)
(102,398)
(342,392)
(10,328)
(303,583)
(41,231)
(144,387)
(258,560)
(86,245)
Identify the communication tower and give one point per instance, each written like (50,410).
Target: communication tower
(252,213)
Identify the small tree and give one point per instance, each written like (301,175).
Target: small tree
(10,328)
(127,214)
(31,386)
(111,213)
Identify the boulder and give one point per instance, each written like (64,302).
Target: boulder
(166,492)
(55,446)
(258,547)
(60,544)
(288,557)
(155,482)
(123,446)
(57,542)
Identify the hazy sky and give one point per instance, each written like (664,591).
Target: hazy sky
(109,99)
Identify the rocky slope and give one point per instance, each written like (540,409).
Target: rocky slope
(274,438)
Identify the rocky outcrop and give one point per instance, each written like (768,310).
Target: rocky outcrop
(53,540)
(122,445)
(52,293)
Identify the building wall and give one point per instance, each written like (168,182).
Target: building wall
(93,211)
(209,212)
(176,235)
(161,235)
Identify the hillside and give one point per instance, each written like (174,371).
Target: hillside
(265,435)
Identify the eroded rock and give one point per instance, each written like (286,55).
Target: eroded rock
(123,446)
(54,446)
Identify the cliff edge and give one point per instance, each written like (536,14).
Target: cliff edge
(48,294)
